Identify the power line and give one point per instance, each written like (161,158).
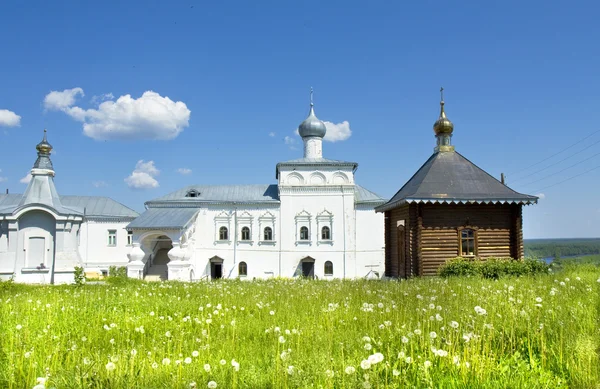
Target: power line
(568,179)
(556,163)
(560,171)
(560,152)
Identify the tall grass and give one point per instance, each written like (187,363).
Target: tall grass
(534,332)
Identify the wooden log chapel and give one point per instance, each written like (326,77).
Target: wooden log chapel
(450,207)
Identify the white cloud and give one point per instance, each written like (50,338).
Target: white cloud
(98,99)
(150,116)
(271,134)
(9,118)
(291,142)
(143,176)
(184,171)
(337,132)
(99,184)
(26,179)
(57,101)
(541,196)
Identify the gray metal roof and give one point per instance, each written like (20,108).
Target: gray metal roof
(163,218)
(449,177)
(221,194)
(315,162)
(95,206)
(365,196)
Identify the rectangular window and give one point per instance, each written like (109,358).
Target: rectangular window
(112,237)
(467,243)
(129,238)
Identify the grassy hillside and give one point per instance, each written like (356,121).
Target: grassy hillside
(544,248)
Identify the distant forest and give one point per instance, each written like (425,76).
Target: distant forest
(557,248)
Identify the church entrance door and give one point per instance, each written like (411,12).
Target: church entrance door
(308,269)
(216,270)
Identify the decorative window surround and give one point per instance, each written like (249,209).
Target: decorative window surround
(303,219)
(267,220)
(325,219)
(244,220)
(223,219)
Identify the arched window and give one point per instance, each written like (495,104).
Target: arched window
(242,269)
(303,233)
(223,233)
(245,233)
(325,233)
(328,268)
(467,243)
(268,233)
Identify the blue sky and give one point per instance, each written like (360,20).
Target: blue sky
(216,87)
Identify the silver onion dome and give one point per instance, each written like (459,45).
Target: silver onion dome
(312,126)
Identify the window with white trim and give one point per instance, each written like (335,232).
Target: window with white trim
(112,237)
(223,233)
(245,233)
(325,233)
(304,233)
(243,269)
(129,238)
(268,234)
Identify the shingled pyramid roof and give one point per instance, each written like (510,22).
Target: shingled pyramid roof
(448,177)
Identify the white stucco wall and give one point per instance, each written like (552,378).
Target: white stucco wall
(96,253)
(308,198)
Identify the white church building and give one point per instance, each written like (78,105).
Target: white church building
(44,236)
(315,222)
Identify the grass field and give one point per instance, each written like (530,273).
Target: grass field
(541,332)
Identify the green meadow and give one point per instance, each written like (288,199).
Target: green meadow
(531,332)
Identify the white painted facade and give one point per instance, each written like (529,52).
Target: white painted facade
(311,194)
(44,236)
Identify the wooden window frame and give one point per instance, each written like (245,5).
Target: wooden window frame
(325,266)
(269,237)
(304,237)
(226,231)
(475,240)
(243,269)
(323,229)
(246,228)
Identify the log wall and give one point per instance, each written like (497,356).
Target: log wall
(431,233)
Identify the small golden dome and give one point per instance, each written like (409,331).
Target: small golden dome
(44,147)
(443,125)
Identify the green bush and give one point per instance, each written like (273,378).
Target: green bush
(6,285)
(79,276)
(492,268)
(117,275)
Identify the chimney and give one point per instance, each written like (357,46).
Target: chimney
(502,178)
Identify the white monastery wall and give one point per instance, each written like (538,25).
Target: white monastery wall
(97,253)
